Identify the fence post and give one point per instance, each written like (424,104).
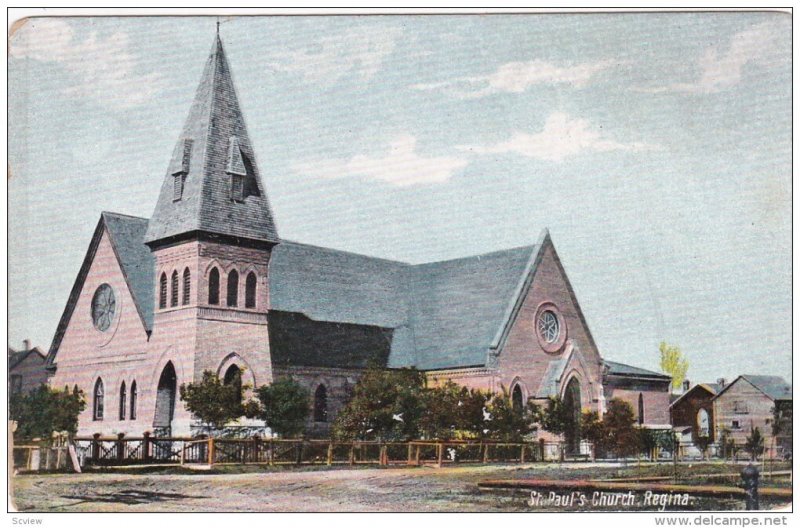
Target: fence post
(210,451)
(352,453)
(485,453)
(146,446)
(256,449)
(271,452)
(522,454)
(541,448)
(416,455)
(410,458)
(95,447)
(750,485)
(120,447)
(330,453)
(439,453)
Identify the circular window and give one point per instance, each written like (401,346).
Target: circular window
(103,307)
(548,326)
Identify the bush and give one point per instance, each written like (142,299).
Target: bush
(284,407)
(503,422)
(385,405)
(754,443)
(44,410)
(213,402)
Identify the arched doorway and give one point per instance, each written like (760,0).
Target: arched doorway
(516,399)
(233,376)
(165,401)
(572,405)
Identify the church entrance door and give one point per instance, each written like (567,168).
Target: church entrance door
(165,401)
(572,403)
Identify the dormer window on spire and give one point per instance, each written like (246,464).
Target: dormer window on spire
(179,178)
(236,169)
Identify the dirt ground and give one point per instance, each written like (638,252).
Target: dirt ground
(372,489)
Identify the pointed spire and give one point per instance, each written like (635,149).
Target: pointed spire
(213,184)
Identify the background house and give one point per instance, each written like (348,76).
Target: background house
(26,368)
(749,402)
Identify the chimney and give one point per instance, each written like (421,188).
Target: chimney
(26,344)
(721,383)
(686,385)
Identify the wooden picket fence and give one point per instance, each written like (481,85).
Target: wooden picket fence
(121,450)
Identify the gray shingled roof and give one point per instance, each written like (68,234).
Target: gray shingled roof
(459,305)
(138,265)
(773,386)
(443,314)
(206,204)
(621,369)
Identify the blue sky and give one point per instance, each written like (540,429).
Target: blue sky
(655,147)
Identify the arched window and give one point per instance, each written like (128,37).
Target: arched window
(233,376)
(703,428)
(173,298)
(133,400)
(162,291)
(123,401)
(213,286)
(250,291)
(97,404)
(516,399)
(233,288)
(321,404)
(641,409)
(187,286)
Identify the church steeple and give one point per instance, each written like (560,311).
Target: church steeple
(213,186)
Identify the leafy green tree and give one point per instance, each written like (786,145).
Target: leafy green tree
(673,363)
(284,407)
(555,417)
(504,422)
(213,402)
(619,421)
(386,405)
(451,410)
(593,430)
(44,410)
(754,443)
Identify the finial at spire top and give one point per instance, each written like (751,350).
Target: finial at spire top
(217,25)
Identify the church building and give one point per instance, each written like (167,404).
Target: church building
(206,283)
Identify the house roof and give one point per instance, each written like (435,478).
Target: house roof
(15,357)
(775,387)
(621,369)
(213,145)
(711,388)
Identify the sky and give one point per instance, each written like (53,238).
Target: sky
(656,148)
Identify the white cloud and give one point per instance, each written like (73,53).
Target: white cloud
(517,77)
(561,137)
(102,66)
(719,71)
(400,166)
(358,51)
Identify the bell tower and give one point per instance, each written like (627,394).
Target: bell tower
(212,233)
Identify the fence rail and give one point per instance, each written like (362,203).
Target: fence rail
(120,450)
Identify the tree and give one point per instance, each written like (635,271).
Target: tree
(504,422)
(673,363)
(452,411)
(782,426)
(213,402)
(386,405)
(619,421)
(284,407)
(44,410)
(754,443)
(593,429)
(555,417)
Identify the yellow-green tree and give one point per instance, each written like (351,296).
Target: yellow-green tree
(673,363)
